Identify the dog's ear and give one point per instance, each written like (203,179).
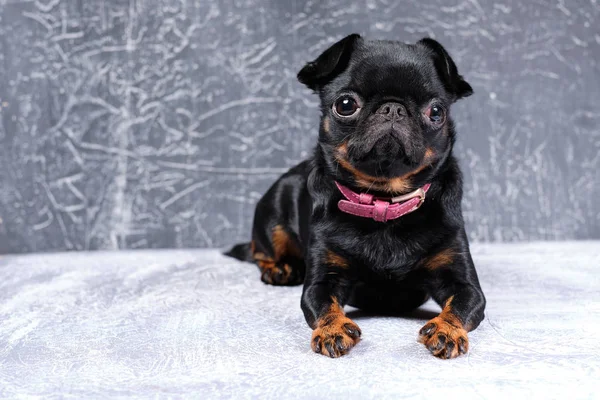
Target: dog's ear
(328,65)
(446,69)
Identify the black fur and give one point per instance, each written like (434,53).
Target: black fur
(241,252)
(390,266)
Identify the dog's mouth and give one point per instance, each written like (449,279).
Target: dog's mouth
(388,141)
(385,167)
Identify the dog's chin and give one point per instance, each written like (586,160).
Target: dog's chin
(387,167)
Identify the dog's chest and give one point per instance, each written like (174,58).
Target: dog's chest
(388,254)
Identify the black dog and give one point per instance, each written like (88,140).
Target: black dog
(333,221)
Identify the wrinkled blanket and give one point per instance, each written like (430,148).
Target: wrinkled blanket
(176,323)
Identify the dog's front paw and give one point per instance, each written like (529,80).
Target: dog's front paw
(336,337)
(444,338)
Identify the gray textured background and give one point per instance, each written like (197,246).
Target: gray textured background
(128,124)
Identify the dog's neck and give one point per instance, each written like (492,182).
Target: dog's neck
(380,209)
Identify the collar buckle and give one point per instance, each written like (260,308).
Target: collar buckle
(420,193)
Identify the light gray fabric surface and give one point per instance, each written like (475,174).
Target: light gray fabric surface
(195,324)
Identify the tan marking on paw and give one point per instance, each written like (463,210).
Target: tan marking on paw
(335,333)
(445,336)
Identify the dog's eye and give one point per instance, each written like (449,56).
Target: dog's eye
(436,114)
(346,106)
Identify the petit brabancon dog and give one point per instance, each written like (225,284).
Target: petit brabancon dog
(373,219)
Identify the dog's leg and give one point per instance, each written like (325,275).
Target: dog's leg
(456,288)
(323,298)
(279,257)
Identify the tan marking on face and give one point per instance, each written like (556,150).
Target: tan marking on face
(429,153)
(397,185)
(342,159)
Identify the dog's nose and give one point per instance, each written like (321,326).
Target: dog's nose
(392,110)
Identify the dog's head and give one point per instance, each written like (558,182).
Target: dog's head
(385,108)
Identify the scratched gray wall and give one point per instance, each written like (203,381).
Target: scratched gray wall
(128,124)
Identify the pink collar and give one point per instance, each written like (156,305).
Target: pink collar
(368,206)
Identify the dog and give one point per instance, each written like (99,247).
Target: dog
(373,219)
